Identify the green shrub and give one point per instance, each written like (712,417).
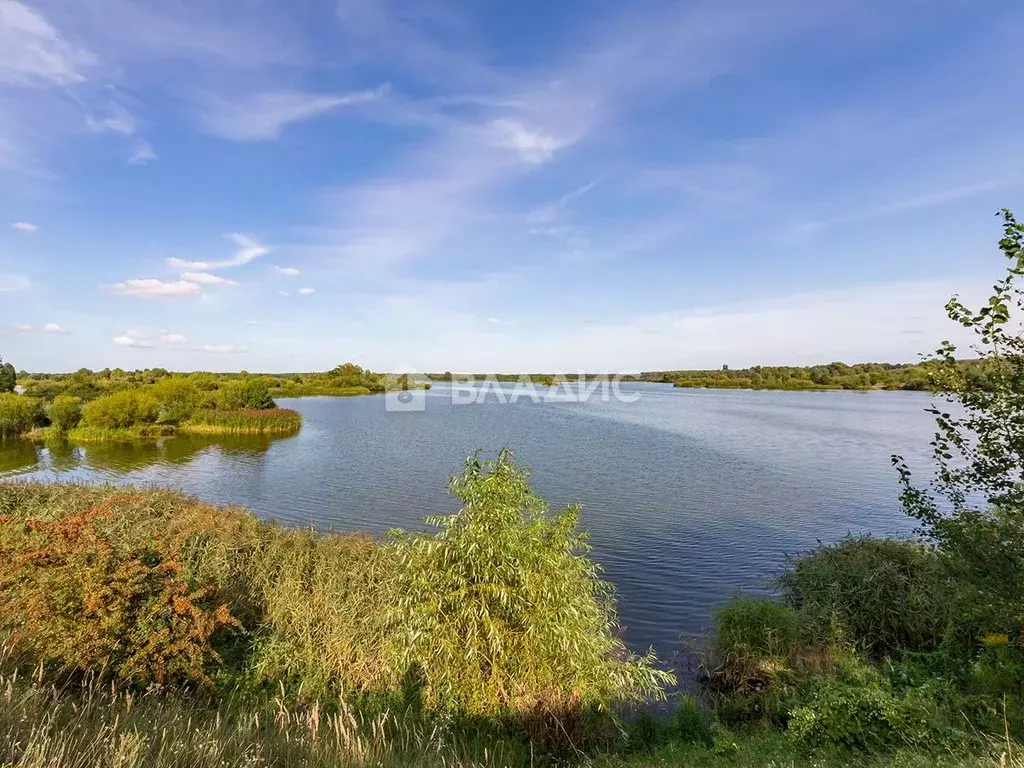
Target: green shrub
(691,723)
(502,610)
(888,597)
(65,412)
(865,715)
(758,641)
(246,394)
(644,733)
(121,410)
(18,414)
(178,397)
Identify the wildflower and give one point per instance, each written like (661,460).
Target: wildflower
(993,639)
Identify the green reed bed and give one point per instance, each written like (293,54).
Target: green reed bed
(244,421)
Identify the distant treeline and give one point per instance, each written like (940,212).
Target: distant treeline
(351,379)
(905,376)
(536,378)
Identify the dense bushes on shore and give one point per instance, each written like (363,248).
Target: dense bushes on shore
(181,393)
(127,581)
(18,414)
(904,644)
(171,404)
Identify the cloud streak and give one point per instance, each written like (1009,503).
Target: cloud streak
(152,288)
(248,250)
(262,116)
(205,278)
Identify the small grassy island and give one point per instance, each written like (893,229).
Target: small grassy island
(117,405)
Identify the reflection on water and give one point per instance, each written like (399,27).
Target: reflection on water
(18,456)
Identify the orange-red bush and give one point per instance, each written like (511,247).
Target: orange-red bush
(71,598)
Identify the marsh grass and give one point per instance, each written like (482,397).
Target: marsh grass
(89,434)
(245,421)
(888,597)
(758,642)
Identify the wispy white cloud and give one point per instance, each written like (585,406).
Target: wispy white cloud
(248,250)
(262,116)
(44,328)
(532,146)
(222,349)
(24,226)
(306,291)
(32,51)
(12,282)
(116,119)
(173,339)
(205,278)
(132,338)
(287,271)
(914,202)
(152,288)
(142,153)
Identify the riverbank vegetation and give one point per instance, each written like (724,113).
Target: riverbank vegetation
(117,404)
(496,624)
(168,406)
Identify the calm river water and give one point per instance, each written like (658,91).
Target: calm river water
(689,495)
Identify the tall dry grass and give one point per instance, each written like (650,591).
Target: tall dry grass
(92,725)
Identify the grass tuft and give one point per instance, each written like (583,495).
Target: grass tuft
(245,421)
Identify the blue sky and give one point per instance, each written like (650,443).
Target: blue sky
(495,185)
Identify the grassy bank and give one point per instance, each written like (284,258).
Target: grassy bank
(145,628)
(93,726)
(104,435)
